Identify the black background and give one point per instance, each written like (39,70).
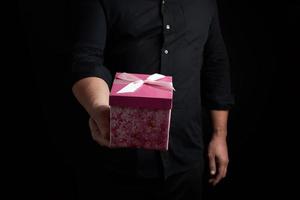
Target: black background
(45,140)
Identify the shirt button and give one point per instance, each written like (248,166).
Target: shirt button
(168,27)
(166,51)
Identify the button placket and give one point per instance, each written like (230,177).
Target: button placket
(166,34)
(165,61)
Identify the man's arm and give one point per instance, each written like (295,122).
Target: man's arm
(217,97)
(92,93)
(91,79)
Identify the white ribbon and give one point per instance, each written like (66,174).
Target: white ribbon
(136,82)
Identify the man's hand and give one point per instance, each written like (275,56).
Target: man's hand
(99,125)
(218,158)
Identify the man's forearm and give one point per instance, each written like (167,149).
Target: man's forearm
(91,93)
(219,122)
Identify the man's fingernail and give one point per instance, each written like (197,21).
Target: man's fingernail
(212,172)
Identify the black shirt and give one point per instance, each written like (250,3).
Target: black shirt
(179,38)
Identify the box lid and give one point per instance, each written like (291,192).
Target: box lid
(147,96)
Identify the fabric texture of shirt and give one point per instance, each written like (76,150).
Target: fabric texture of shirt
(178,38)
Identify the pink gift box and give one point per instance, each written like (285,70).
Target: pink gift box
(140,119)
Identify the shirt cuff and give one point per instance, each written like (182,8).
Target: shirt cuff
(219,103)
(88,69)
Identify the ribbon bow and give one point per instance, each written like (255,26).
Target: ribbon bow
(136,82)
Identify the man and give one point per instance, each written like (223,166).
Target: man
(179,38)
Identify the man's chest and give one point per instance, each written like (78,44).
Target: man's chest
(139,17)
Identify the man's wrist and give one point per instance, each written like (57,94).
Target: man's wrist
(97,109)
(220,134)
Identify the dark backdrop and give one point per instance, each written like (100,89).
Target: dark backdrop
(45,152)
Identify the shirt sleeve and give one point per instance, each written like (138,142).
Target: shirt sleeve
(216,83)
(91,29)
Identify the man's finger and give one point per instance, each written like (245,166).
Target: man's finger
(93,128)
(224,165)
(104,127)
(104,124)
(97,136)
(212,164)
(103,142)
(221,172)
(225,173)
(218,177)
